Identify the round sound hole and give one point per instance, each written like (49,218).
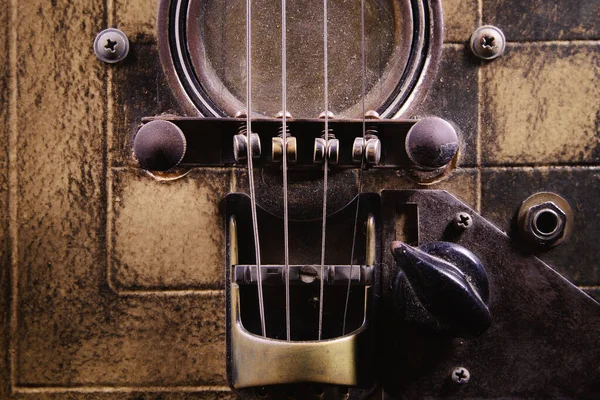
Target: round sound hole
(203,48)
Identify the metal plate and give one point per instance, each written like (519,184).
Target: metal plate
(203,51)
(543,341)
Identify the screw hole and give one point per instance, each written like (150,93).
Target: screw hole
(546,222)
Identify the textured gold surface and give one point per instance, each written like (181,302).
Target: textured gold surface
(460,19)
(541,105)
(88,313)
(168,235)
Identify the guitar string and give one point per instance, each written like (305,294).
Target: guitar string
(261,304)
(325,168)
(285,168)
(362,165)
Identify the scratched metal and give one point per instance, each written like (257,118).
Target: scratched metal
(69,186)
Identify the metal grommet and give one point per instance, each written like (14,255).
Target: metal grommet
(545,219)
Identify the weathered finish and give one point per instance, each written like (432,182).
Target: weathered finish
(73,333)
(5,274)
(540,105)
(60,187)
(168,235)
(535,20)
(78,201)
(542,342)
(462,183)
(454,97)
(137,18)
(460,19)
(506,189)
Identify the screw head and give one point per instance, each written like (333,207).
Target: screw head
(279,115)
(111,45)
(488,42)
(327,114)
(372,114)
(461,375)
(462,221)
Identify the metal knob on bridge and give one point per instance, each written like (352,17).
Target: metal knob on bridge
(159,145)
(431,143)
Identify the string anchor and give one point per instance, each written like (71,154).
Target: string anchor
(240,141)
(277,142)
(329,147)
(368,146)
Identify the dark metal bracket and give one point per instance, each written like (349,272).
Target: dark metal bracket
(277,366)
(544,340)
(210,140)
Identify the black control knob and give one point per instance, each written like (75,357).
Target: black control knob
(159,145)
(443,285)
(431,143)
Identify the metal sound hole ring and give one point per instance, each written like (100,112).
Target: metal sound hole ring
(202,49)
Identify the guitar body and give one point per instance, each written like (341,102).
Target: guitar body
(117,282)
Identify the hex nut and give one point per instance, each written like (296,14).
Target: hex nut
(545,220)
(548,231)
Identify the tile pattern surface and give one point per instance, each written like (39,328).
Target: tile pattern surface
(103,300)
